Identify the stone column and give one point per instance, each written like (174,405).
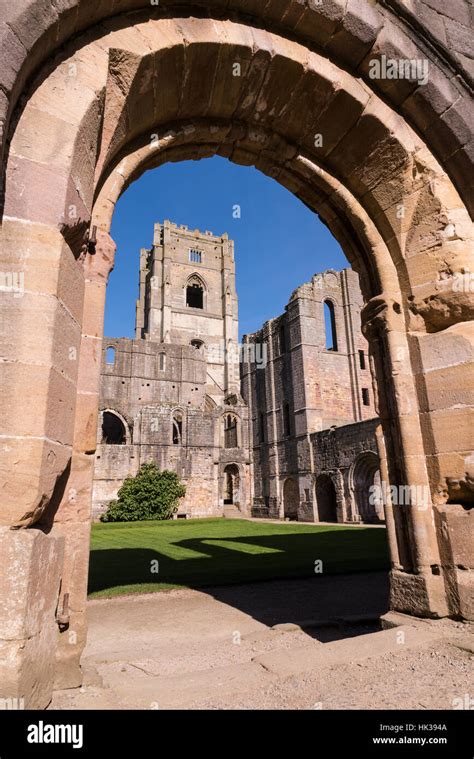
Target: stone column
(43,311)
(419,587)
(73,517)
(272,426)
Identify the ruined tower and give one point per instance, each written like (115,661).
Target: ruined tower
(188,297)
(172,394)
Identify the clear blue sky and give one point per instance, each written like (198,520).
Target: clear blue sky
(279,243)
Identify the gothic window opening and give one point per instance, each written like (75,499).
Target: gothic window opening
(113,429)
(177,429)
(194,294)
(330,326)
(365,396)
(230,431)
(362,359)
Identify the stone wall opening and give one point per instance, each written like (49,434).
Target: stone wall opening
(231,485)
(366,484)
(291,499)
(385,163)
(330,325)
(113,429)
(230,431)
(326,499)
(195,294)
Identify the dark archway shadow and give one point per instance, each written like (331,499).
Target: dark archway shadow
(277,587)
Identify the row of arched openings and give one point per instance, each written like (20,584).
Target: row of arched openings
(365,484)
(114,430)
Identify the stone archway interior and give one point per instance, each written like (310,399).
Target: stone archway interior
(231,485)
(326,499)
(291,498)
(113,429)
(367,488)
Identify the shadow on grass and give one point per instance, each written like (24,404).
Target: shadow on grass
(223,564)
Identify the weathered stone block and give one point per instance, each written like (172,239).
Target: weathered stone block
(30,579)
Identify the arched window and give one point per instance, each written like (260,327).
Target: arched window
(177,429)
(330,326)
(113,429)
(195,293)
(230,431)
(110,355)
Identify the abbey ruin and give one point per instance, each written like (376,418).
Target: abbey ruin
(94,94)
(241,424)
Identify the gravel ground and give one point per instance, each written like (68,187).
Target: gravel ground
(200,649)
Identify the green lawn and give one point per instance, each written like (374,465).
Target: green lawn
(202,552)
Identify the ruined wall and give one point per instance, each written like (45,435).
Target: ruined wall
(153,380)
(305,386)
(349,456)
(148,386)
(74,106)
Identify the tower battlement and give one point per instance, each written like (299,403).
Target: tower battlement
(161,230)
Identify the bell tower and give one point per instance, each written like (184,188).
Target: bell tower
(187,296)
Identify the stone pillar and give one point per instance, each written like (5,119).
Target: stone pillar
(388,506)
(43,309)
(73,517)
(338,481)
(418,587)
(272,426)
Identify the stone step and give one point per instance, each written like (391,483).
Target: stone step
(144,688)
(232,512)
(307,658)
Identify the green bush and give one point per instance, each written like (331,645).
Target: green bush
(151,494)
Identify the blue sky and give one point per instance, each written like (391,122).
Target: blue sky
(279,243)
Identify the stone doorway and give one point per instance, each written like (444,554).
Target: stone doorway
(231,485)
(326,499)
(366,483)
(291,499)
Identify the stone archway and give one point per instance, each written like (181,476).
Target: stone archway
(114,428)
(365,483)
(285,88)
(231,485)
(326,499)
(291,498)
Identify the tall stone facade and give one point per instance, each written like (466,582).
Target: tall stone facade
(169,395)
(316,377)
(245,440)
